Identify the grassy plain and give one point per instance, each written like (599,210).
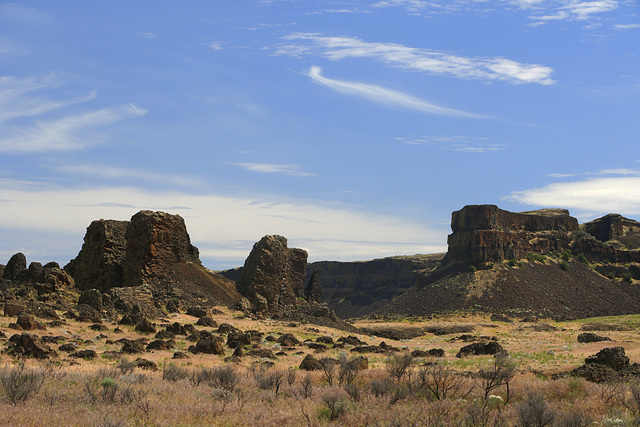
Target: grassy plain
(204,390)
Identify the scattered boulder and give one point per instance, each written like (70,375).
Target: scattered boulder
(310,363)
(132,347)
(208,345)
(146,364)
(613,357)
(434,352)
(198,311)
(146,327)
(28,322)
(236,339)
(14,307)
(587,337)
(288,340)
(16,267)
(92,298)
(161,345)
(480,348)
(207,321)
(84,354)
(351,340)
(29,345)
(68,347)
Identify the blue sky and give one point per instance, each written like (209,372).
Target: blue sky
(353,128)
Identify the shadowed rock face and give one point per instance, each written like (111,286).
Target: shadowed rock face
(485,233)
(273,274)
(614,227)
(99,263)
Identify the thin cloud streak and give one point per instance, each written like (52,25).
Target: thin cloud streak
(414,59)
(384,96)
(285,169)
(66,133)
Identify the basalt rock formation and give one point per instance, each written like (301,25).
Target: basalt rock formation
(485,233)
(273,275)
(152,249)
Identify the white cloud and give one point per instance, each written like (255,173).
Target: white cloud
(224,228)
(455,143)
(63,134)
(626,26)
(597,195)
(414,59)
(384,95)
(285,169)
(573,10)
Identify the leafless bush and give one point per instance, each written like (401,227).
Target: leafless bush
(307,387)
(224,377)
(631,401)
(354,391)
(612,392)
(272,379)
(20,383)
(535,412)
(328,370)
(575,418)
(399,365)
(335,404)
(173,373)
(439,382)
(397,393)
(291,376)
(498,374)
(125,366)
(380,387)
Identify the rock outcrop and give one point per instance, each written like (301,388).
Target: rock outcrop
(153,249)
(485,233)
(313,291)
(99,265)
(273,275)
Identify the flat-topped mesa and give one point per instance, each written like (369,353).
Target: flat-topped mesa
(485,233)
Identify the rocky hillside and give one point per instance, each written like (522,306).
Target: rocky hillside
(541,262)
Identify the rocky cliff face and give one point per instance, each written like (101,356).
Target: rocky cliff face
(358,288)
(99,264)
(155,242)
(618,231)
(273,275)
(485,233)
(153,249)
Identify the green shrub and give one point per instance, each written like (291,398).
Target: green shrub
(627,277)
(566,254)
(473,268)
(564,265)
(532,256)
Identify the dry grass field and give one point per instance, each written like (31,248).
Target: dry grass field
(395,389)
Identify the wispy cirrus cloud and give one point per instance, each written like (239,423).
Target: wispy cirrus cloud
(63,134)
(455,143)
(384,95)
(35,121)
(273,168)
(626,26)
(118,173)
(415,59)
(572,11)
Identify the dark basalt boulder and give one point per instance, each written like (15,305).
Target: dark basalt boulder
(16,267)
(29,345)
(587,337)
(480,348)
(208,345)
(310,363)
